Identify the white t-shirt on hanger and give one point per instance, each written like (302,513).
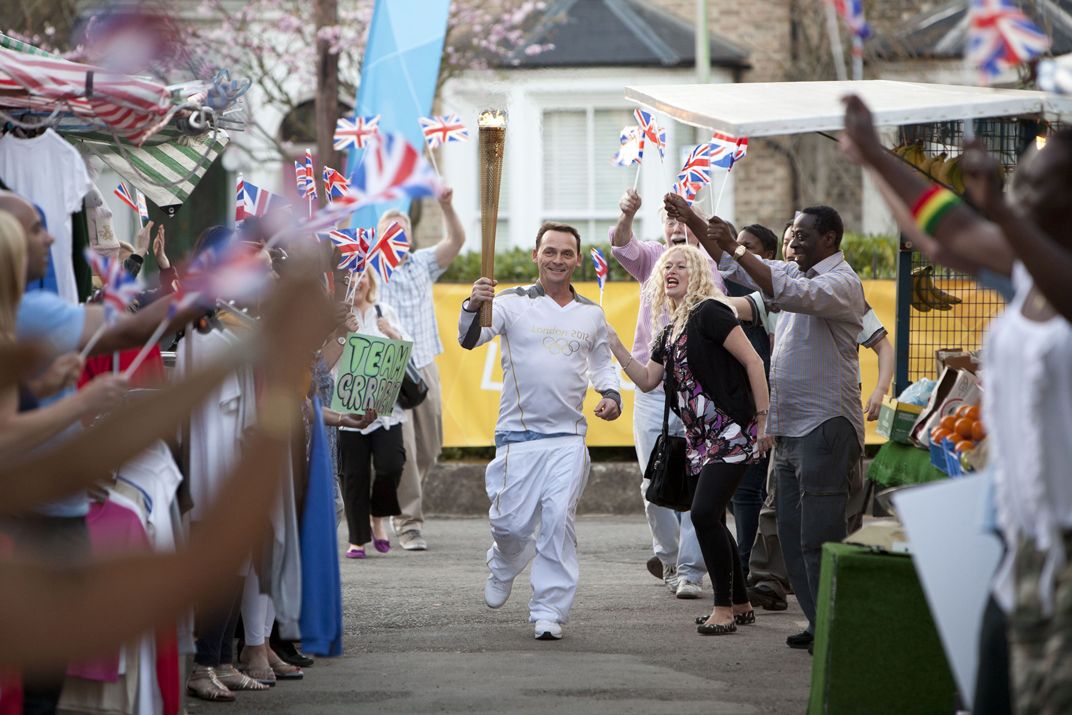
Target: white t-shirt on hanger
(52,174)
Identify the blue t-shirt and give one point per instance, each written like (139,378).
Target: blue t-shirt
(46,317)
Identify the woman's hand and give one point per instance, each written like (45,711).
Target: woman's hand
(141,241)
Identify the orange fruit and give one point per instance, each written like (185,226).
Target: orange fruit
(948,422)
(978,431)
(938,434)
(964,445)
(961,411)
(963,427)
(972,413)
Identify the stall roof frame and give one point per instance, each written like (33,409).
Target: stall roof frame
(758,109)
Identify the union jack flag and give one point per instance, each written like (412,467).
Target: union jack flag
(1000,36)
(687,190)
(651,129)
(443,130)
(631,150)
(235,271)
(602,269)
(852,12)
(388,252)
(125,196)
(356,132)
(726,150)
(303,175)
(697,169)
(118,287)
(143,208)
(393,170)
(335,184)
(251,200)
(353,245)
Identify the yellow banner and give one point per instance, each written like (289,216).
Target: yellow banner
(471,379)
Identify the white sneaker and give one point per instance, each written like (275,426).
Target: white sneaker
(548,631)
(688,589)
(670,577)
(496,592)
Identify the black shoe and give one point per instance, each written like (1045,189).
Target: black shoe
(811,648)
(800,640)
(655,567)
(766,599)
(291,652)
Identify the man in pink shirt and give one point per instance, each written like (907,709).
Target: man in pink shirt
(673,537)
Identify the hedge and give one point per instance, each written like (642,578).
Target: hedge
(870,256)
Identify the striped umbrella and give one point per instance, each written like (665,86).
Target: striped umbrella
(131,107)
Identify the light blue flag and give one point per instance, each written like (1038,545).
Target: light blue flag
(398,78)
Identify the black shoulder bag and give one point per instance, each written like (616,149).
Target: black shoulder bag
(414,389)
(667,470)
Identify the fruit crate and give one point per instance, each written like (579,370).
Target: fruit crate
(939,308)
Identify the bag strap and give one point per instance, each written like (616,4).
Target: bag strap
(379,311)
(668,389)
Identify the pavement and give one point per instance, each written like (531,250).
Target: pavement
(418,639)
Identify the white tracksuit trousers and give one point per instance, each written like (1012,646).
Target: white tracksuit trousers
(532,484)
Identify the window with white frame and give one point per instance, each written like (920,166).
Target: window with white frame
(581,186)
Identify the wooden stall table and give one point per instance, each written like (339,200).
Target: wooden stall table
(876,646)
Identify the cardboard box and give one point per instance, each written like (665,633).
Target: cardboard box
(957,359)
(896,419)
(954,388)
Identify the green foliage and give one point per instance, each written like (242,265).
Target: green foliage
(871,256)
(516,266)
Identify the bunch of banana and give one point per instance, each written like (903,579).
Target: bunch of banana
(951,175)
(912,153)
(925,295)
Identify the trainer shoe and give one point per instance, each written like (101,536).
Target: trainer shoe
(688,589)
(496,592)
(548,631)
(655,567)
(670,577)
(411,540)
(800,640)
(766,598)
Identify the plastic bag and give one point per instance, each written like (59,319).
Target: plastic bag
(918,393)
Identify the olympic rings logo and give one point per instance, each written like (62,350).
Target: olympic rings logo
(561,346)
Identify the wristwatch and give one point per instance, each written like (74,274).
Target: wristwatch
(341,341)
(738,252)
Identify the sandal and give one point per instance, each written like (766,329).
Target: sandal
(716,629)
(282,669)
(234,680)
(355,552)
(745,619)
(204,685)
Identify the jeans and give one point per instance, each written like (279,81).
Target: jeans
(812,475)
(747,503)
(673,537)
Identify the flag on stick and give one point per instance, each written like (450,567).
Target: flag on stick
(651,129)
(356,132)
(393,170)
(387,253)
(1001,36)
(602,269)
(439,130)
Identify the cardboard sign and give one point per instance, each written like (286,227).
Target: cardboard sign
(370,374)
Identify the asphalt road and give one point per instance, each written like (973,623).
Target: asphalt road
(420,640)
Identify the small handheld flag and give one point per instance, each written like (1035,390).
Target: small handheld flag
(251,200)
(335,184)
(651,130)
(394,169)
(631,150)
(443,130)
(602,269)
(303,176)
(388,252)
(135,200)
(356,132)
(726,150)
(697,168)
(353,245)
(687,190)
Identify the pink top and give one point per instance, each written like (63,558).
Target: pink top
(638,258)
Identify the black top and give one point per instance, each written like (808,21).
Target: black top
(721,376)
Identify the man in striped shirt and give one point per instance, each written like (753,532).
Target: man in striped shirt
(815,413)
(409,292)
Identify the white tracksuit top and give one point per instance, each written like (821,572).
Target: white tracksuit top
(549,354)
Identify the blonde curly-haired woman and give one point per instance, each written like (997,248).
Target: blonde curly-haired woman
(715,382)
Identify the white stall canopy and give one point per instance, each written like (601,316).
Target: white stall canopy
(757,109)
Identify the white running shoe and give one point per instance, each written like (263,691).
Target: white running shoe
(496,592)
(548,631)
(688,589)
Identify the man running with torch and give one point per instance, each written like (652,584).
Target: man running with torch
(553,343)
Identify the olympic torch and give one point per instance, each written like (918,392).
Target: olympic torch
(492,124)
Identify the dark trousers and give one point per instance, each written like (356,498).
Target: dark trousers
(714,489)
(54,541)
(747,502)
(811,490)
(371,467)
(216,626)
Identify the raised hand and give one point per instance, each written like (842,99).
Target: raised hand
(102,393)
(859,139)
(720,232)
(446,196)
(677,208)
(141,241)
(629,203)
(160,248)
(607,409)
(982,177)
